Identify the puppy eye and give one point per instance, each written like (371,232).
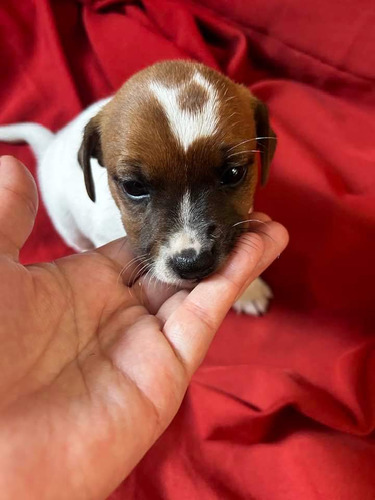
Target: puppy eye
(233,176)
(135,189)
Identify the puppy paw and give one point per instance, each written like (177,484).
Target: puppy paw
(255,299)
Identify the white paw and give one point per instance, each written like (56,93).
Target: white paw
(255,298)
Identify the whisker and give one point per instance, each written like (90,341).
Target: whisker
(155,283)
(141,272)
(244,152)
(147,276)
(239,144)
(125,268)
(151,279)
(150,271)
(249,140)
(248,220)
(135,271)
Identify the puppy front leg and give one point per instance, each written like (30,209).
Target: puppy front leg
(255,298)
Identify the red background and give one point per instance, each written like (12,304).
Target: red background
(284,406)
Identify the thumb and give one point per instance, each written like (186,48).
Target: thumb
(18,205)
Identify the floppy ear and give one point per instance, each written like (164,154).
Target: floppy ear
(90,148)
(266,139)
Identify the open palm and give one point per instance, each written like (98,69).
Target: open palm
(91,371)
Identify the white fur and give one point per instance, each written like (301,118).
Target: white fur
(188,126)
(162,271)
(81,223)
(183,240)
(255,298)
(37,136)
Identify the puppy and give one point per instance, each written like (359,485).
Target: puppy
(171,159)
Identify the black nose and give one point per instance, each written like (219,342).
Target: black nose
(190,265)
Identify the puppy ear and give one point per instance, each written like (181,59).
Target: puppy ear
(266,139)
(90,148)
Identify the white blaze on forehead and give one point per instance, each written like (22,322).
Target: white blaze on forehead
(188,125)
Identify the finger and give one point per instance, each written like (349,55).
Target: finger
(192,325)
(18,205)
(271,251)
(171,305)
(152,293)
(254,222)
(259,217)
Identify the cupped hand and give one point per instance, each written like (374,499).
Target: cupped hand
(91,370)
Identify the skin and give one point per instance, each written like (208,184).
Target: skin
(91,372)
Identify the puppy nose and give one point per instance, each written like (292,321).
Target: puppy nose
(191,265)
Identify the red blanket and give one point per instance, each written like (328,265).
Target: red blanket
(284,406)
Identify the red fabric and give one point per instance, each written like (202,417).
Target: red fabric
(284,406)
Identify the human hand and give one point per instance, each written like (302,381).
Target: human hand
(91,372)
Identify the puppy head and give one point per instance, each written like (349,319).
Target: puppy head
(180,143)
